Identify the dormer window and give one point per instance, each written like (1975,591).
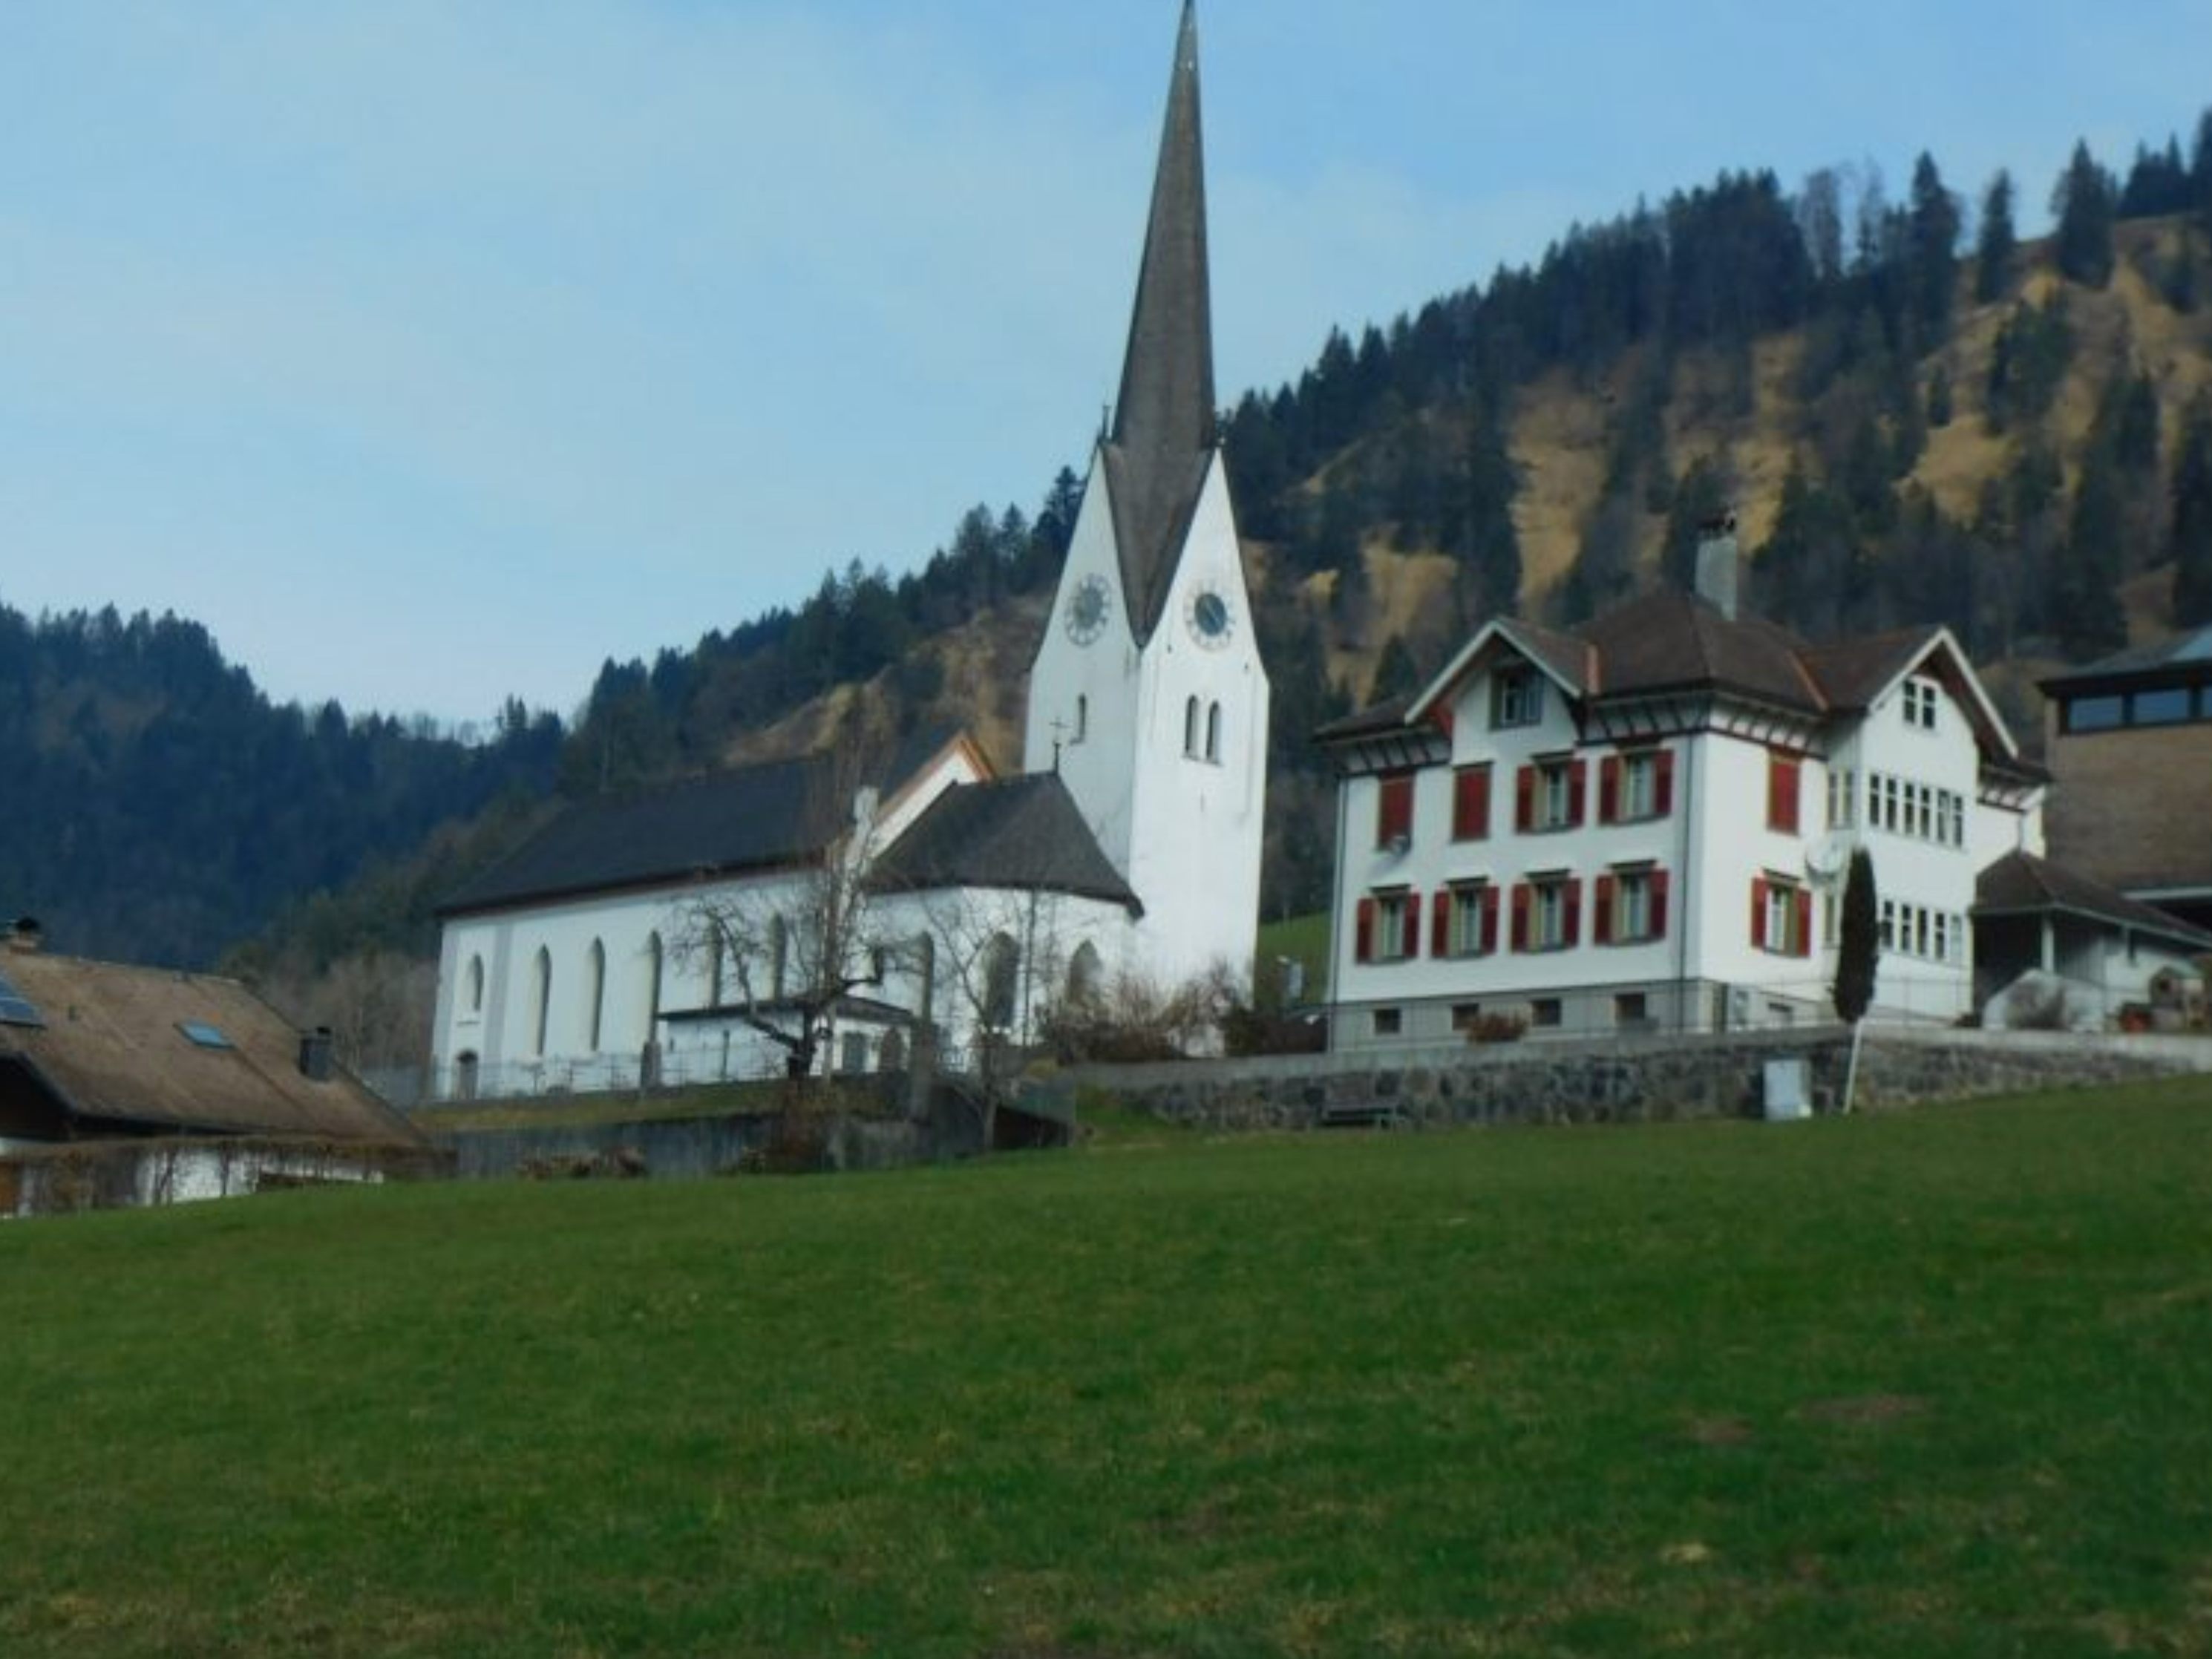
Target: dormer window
(1517,697)
(1920,698)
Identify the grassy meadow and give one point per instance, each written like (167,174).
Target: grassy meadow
(1935,1384)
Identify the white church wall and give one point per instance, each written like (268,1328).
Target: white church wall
(1083,685)
(1201,772)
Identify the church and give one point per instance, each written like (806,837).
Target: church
(825,912)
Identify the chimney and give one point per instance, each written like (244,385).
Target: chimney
(1717,564)
(315,1054)
(25,935)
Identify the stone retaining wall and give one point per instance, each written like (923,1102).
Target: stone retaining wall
(1624,1082)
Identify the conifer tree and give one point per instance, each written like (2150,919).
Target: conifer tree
(1858,941)
(2082,201)
(1932,242)
(1995,244)
(2084,602)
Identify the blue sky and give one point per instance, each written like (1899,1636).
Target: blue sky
(430,352)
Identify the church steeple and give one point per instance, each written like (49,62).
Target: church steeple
(1164,437)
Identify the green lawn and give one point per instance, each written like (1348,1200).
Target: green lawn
(1932,1384)
(1303,939)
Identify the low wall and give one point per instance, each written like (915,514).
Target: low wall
(685,1148)
(1627,1081)
(99,1174)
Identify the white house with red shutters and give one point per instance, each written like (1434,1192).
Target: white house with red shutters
(1643,824)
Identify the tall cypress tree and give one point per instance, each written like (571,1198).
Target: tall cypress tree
(2190,537)
(1858,941)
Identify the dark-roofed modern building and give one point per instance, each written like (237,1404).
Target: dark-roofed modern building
(2129,745)
(1644,824)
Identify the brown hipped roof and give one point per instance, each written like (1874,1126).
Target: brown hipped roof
(1668,640)
(112,1054)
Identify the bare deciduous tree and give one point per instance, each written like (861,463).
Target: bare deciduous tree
(793,948)
(1000,956)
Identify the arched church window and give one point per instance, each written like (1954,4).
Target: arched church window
(1190,727)
(1082,717)
(595,986)
(779,953)
(1213,731)
(714,971)
(1083,972)
(474,982)
(1001,964)
(541,997)
(651,1009)
(891,1055)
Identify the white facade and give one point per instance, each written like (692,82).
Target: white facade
(607,990)
(653,990)
(1163,741)
(1670,858)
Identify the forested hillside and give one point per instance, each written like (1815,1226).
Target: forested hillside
(157,806)
(1916,414)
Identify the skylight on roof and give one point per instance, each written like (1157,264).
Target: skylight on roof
(17,1009)
(201,1035)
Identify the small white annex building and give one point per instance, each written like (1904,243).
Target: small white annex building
(1643,824)
(670,935)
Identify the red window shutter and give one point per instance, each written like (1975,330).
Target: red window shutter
(1440,909)
(1571,922)
(1363,932)
(1782,794)
(1759,912)
(1662,784)
(1804,922)
(1489,920)
(1394,811)
(1601,924)
(1577,776)
(1659,904)
(1520,915)
(1608,790)
(1524,798)
(1409,939)
(1471,803)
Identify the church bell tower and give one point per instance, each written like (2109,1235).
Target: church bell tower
(1147,691)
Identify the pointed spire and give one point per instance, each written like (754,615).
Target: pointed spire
(1164,425)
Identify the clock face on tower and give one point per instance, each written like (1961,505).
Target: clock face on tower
(1209,618)
(1087,608)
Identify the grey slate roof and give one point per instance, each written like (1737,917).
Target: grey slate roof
(1162,437)
(1023,833)
(2020,883)
(755,816)
(2188,656)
